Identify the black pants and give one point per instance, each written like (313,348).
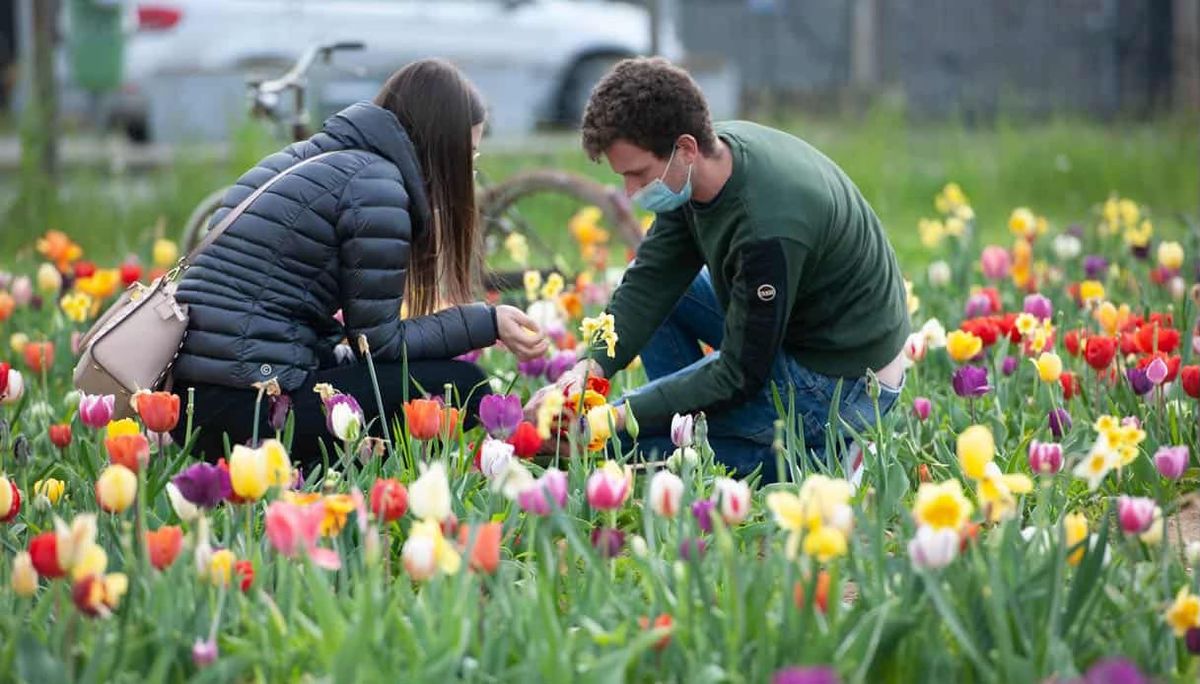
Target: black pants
(221,410)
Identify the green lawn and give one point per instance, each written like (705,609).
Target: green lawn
(1060,169)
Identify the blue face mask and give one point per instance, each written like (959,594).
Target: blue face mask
(657,197)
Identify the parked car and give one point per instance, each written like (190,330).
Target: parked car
(535,60)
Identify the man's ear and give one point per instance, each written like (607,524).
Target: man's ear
(688,148)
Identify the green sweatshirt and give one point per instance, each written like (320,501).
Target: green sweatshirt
(799,262)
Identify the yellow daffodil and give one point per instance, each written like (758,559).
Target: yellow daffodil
(1026,323)
(914,302)
(955,227)
(220,567)
(1184,613)
(976,448)
(1140,235)
(532,281)
(77,306)
(825,543)
(1096,465)
(1022,221)
(426,552)
(1091,291)
(931,232)
(553,287)
(963,346)
(942,505)
(518,248)
(997,491)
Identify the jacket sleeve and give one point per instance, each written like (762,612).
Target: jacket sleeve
(666,263)
(376,230)
(762,294)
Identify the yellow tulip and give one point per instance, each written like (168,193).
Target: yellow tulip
(52,489)
(76,306)
(248,473)
(279,466)
(125,426)
(600,420)
(1170,255)
(1076,526)
(116,488)
(92,561)
(963,346)
(1050,367)
(976,449)
(49,280)
(18,342)
(220,567)
(6,494)
(165,253)
(942,505)
(24,576)
(101,285)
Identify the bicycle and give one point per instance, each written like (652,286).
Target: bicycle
(497,203)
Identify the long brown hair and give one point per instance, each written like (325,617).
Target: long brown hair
(437,106)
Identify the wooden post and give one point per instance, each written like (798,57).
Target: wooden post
(39,123)
(1186,24)
(864,44)
(45,91)
(655,9)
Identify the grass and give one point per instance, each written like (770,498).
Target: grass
(1060,168)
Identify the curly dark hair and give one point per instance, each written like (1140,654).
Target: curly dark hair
(649,102)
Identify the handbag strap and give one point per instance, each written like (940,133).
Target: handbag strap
(237,211)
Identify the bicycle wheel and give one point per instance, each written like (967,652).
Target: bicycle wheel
(501,216)
(198,221)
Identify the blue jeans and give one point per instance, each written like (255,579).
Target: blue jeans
(741,437)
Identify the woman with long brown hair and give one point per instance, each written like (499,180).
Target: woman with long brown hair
(388,219)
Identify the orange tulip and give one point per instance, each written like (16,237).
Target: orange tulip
(163,545)
(7,304)
(131,451)
(39,356)
(662,621)
(572,303)
(822,591)
(484,548)
(449,422)
(159,410)
(424,418)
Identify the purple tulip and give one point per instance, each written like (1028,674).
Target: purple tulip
(470,357)
(560,363)
(204,485)
(278,408)
(1171,461)
(1138,381)
(1140,251)
(1192,639)
(500,414)
(1076,230)
(971,381)
(1114,671)
(1045,458)
(978,305)
(922,407)
(607,541)
(1010,365)
(1094,266)
(1060,422)
(534,368)
(1039,306)
(1157,371)
(350,403)
(806,675)
(702,510)
(692,548)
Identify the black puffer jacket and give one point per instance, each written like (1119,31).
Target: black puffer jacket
(333,235)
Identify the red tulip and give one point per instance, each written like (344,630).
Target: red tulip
(525,440)
(130,273)
(1171,361)
(389,499)
(1099,352)
(84,269)
(159,410)
(245,570)
(1191,381)
(43,549)
(4,369)
(1072,341)
(1167,338)
(60,435)
(424,418)
(1067,380)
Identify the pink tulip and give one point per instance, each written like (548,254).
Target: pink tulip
(1136,513)
(1157,371)
(551,486)
(22,291)
(95,410)
(1045,458)
(294,530)
(996,262)
(608,486)
(1171,461)
(922,407)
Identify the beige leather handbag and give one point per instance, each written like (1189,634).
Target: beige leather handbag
(134,344)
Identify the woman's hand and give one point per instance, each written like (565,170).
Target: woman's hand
(520,333)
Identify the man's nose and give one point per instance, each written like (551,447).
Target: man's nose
(631,186)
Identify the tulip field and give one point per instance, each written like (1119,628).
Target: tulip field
(1027,512)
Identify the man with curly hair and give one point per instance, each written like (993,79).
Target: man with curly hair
(761,248)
